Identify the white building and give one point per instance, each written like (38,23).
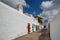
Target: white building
(13,23)
(55,28)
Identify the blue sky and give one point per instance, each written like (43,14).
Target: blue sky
(48,9)
(34,7)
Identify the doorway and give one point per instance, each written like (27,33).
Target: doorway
(28,28)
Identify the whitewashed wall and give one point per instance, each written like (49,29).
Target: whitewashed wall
(55,28)
(13,23)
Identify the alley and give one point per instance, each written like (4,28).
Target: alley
(40,35)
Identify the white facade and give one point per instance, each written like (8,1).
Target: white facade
(13,23)
(55,28)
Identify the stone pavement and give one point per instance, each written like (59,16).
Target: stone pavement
(40,35)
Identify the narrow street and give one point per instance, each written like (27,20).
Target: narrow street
(40,35)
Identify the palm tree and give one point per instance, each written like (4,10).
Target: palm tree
(39,19)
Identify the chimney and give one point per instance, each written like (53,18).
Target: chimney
(19,8)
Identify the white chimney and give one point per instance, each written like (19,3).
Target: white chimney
(19,8)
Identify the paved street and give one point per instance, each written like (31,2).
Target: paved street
(40,35)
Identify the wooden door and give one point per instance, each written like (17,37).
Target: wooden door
(28,28)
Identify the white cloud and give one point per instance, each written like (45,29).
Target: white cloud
(34,12)
(49,14)
(14,3)
(27,5)
(47,4)
(50,9)
(22,2)
(55,12)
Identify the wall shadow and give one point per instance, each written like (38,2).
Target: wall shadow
(44,35)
